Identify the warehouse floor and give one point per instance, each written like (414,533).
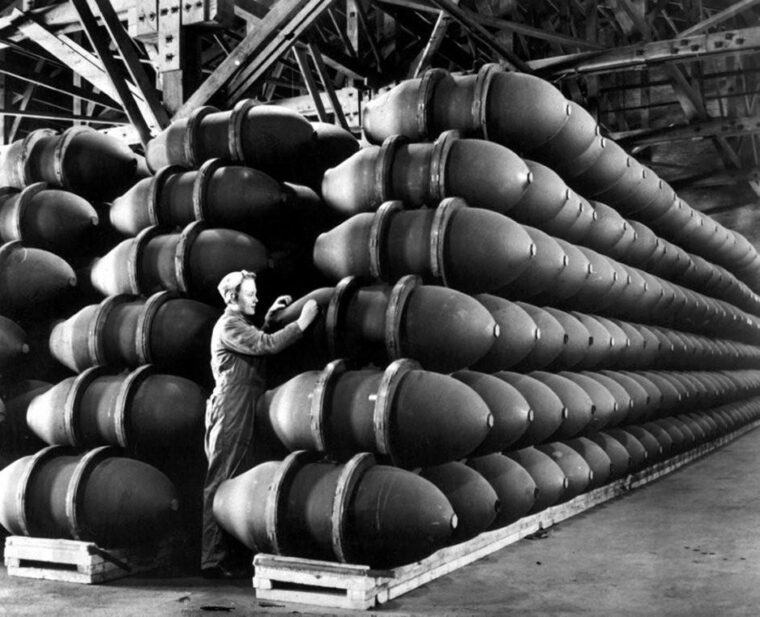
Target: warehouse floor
(687,544)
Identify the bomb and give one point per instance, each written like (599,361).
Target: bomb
(470,249)
(270,138)
(145,412)
(97,497)
(127,331)
(574,466)
(13,342)
(551,481)
(474,500)
(380,323)
(31,278)
(514,486)
(80,160)
(518,335)
(413,417)
(357,512)
(192,262)
(46,218)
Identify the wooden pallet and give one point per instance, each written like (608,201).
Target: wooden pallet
(320,583)
(72,561)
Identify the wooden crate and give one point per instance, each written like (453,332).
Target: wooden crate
(73,561)
(327,584)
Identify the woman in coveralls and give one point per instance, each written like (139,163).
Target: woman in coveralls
(238,357)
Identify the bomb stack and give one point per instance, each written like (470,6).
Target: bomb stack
(493,329)
(141,355)
(492,341)
(49,220)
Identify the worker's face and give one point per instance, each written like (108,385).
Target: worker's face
(247,298)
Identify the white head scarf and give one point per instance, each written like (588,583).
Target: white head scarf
(229,286)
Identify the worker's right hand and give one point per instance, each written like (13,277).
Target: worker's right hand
(309,313)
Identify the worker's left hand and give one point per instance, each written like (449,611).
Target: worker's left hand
(278,305)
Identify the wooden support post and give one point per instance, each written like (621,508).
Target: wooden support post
(100,45)
(26,98)
(76,82)
(352,25)
(364,24)
(129,54)
(434,43)
(316,56)
(3,102)
(311,84)
(170,48)
(341,32)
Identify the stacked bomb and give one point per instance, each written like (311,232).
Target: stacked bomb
(154,322)
(613,348)
(60,491)
(531,116)
(45,220)
(414,174)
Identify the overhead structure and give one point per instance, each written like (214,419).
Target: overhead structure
(650,73)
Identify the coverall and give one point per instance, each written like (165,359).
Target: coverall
(238,350)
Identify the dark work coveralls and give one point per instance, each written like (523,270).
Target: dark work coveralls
(238,350)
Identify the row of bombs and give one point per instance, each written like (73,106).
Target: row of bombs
(191,262)
(237,197)
(411,416)
(476,250)
(485,174)
(378,324)
(368,513)
(275,140)
(353,512)
(269,138)
(492,177)
(532,116)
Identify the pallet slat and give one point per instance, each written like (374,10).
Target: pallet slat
(74,561)
(328,584)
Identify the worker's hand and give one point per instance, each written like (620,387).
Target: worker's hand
(278,305)
(309,313)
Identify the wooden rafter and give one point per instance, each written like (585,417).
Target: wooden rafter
(125,47)
(99,42)
(250,50)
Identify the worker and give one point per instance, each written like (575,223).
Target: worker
(238,359)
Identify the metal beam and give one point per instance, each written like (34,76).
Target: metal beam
(505,24)
(279,17)
(719,17)
(42,115)
(278,45)
(311,84)
(73,56)
(654,52)
(724,177)
(316,56)
(73,91)
(125,47)
(468,19)
(723,127)
(688,97)
(433,44)
(350,101)
(100,45)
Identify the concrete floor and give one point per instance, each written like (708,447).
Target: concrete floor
(687,544)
